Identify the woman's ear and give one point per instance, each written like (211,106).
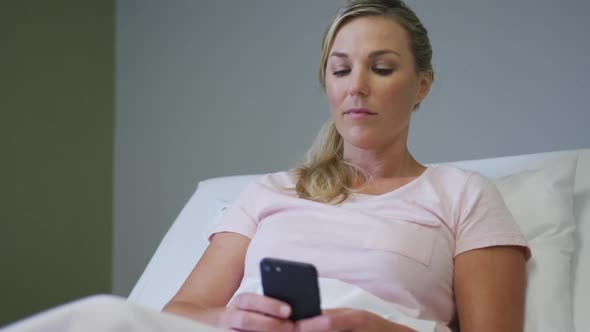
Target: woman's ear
(425,82)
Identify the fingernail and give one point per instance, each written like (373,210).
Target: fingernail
(324,322)
(285,310)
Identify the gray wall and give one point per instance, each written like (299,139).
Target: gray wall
(213,88)
(56,152)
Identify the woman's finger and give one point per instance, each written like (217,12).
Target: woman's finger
(243,320)
(333,320)
(261,304)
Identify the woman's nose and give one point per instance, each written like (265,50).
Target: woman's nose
(358,84)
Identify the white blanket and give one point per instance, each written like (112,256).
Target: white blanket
(106,313)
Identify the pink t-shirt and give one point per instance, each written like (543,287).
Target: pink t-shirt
(398,246)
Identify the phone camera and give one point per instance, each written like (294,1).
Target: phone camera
(266,268)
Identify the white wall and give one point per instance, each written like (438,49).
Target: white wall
(222,87)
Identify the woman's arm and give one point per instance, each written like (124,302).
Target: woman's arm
(490,289)
(214,279)
(205,293)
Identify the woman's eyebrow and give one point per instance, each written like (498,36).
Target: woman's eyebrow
(381,52)
(371,55)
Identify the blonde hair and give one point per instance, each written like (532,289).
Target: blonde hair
(325,176)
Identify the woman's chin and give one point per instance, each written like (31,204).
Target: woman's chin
(362,143)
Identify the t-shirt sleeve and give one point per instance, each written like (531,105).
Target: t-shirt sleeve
(240,216)
(484,219)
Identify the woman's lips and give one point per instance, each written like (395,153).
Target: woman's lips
(358,113)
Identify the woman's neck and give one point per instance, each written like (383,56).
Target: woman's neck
(384,164)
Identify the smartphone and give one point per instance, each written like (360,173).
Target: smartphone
(295,283)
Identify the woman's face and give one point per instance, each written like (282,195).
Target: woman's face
(371,82)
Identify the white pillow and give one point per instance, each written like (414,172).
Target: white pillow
(541,202)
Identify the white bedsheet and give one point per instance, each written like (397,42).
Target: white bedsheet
(106,313)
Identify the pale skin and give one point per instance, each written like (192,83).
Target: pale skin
(370,67)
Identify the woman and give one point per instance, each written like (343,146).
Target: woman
(439,242)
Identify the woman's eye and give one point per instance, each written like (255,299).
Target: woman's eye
(341,72)
(383,71)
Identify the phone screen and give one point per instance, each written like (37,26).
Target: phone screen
(295,283)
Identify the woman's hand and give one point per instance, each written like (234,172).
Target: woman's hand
(348,320)
(253,312)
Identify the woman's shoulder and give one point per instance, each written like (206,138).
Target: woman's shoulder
(457,179)
(281,181)
(449,171)
(280,178)
(463,189)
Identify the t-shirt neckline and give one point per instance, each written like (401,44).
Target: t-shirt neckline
(396,190)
